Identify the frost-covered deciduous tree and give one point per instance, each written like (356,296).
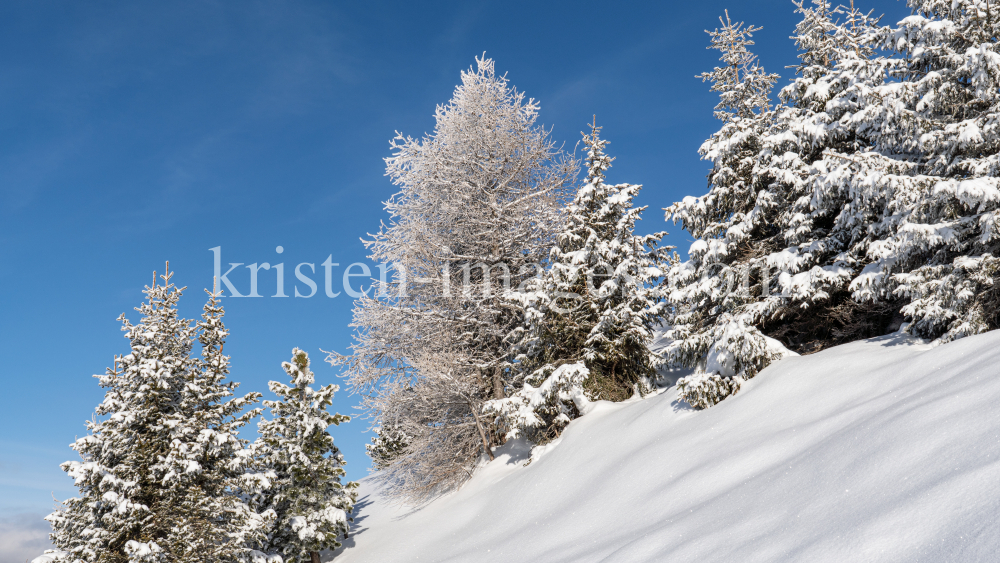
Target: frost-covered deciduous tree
(163,475)
(596,304)
(476,210)
(310,504)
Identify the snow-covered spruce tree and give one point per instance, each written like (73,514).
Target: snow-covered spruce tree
(912,200)
(884,190)
(939,128)
(619,269)
(776,242)
(706,317)
(477,208)
(388,444)
(209,472)
(596,304)
(310,504)
(162,471)
(821,226)
(552,396)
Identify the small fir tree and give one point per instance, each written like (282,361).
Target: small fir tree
(595,305)
(702,312)
(621,270)
(310,503)
(387,445)
(161,469)
(209,470)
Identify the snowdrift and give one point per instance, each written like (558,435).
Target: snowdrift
(881,450)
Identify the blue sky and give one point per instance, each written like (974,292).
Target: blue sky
(134,133)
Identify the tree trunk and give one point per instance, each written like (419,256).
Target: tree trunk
(315,557)
(482,432)
(497,384)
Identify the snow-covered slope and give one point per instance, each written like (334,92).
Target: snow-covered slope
(882,450)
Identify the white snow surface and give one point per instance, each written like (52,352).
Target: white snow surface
(881,450)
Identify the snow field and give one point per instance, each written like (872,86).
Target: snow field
(880,450)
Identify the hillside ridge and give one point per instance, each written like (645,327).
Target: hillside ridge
(879,450)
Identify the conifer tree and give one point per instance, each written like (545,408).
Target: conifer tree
(704,315)
(310,503)
(388,444)
(896,210)
(596,305)
(819,225)
(620,269)
(775,257)
(876,198)
(209,471)
(162,472)
(937,136)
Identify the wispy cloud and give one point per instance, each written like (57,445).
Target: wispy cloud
(23,537)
